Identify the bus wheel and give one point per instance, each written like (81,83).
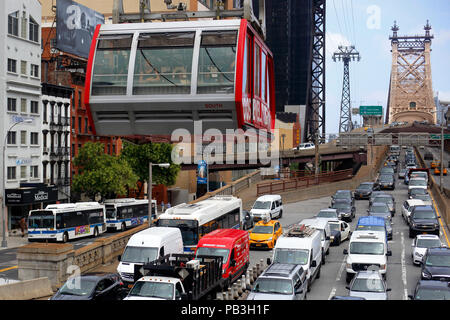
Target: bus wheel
(65,237)
(95,232)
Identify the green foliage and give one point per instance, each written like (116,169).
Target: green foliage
(101,173)
(139,157)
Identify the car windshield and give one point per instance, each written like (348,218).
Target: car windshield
(263,229)
(419,183)
(424,214)
(379,209)
(371,227)
(428,243)
(277,286)
(262,205)
(387,178)
(438,260)
(205,251)
(417,191)
(432,294)
(358,247)
(78,286)
(335,226)
(139,254)
(367,285)
(341,205)
(365,187)
(291,256)
(342,196)
(424,197)
(152,289)
(326,214)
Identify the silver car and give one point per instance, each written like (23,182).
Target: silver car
(369,285)
(280,281)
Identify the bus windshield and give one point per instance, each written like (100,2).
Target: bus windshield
(188,228)
(111,212)
(205,251)
(41,219)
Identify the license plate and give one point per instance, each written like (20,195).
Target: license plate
(258,244)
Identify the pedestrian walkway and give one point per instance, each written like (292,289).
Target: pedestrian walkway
(14,241)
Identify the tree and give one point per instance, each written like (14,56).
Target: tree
(102,174)
(139,157)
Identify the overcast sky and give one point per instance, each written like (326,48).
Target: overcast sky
(366,24)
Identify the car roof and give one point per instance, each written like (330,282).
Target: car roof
(269,197)
(378,204)
(427,236)
(415,202)
(434,284)
(438,251)
(423,207)
(97,275)
(282,270)
(262,223)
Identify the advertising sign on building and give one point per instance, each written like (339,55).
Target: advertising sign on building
(202,172)
(75,26)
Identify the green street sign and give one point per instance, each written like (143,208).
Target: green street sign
(371,110)
(438,136)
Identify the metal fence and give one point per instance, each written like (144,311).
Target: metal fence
(302,182)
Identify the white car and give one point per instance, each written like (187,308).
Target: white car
(339,226)
(305,146)
(420,245)
(408,205)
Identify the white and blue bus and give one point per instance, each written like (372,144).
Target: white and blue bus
(62,222)
(127,212)
(198,219)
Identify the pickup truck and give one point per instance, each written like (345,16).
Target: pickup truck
(177,277)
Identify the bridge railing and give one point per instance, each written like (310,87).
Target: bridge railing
(302,182)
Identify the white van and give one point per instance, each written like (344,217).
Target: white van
(300,245)
(146,246)
(324,227)
(267,207)
(368,250)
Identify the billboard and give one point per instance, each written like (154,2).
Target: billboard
(75,26)
(202,172)
(371,110)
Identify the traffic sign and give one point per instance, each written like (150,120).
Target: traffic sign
(438,136)
(371,110)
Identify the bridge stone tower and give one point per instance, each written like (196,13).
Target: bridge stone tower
(410,90)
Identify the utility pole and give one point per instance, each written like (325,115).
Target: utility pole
(345,54)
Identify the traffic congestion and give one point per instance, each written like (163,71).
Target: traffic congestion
(381,241)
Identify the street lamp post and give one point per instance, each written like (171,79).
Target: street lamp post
(4,241)
(150,182)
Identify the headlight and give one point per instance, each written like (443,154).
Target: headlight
(418,255)
(426,275)
(382,267)
(349,266)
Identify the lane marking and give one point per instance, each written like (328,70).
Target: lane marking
(405,290)
(10,268)
(338,277)
(440,220)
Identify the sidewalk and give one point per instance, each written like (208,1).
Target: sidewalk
(14,241)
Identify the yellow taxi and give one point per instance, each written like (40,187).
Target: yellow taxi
(437,171)
(265,234)
(435,164)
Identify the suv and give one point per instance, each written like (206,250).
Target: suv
(431,290)
(345,209)
(367,250)
(386,181)
(423,219)
(436,264)
(280,281)
(420,245)
(388,199)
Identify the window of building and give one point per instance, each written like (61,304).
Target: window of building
(34,171)
(23,172)
(11,139)
(79,99)
(12,104)
(34,138)
(34,30)
(23,67)
(23,27)
(23,105)
(35,70)
(23,137)
(12,65)
(73,122)
(412,105)
(73,149)
(11,173)
(34,107)
(13,23)
(79,124)
(85,125)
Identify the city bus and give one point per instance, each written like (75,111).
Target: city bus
(63,222)
(198,219)
(127,212)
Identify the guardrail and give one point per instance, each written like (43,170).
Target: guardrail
(303,182)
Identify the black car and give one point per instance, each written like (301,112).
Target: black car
(345,209)
(379,209)
(431,290)
(248,222)
(386,181)
(92,286)
(423,219)
(388,199)
(374,195)
(436,264)
(365,189)
(343,194)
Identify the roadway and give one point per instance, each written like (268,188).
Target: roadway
(436,151)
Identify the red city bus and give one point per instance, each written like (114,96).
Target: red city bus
(153,78)
(234,248)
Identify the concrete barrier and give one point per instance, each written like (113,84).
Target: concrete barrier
(26,290)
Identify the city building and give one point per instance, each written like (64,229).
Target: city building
(20,110)
(289,129)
